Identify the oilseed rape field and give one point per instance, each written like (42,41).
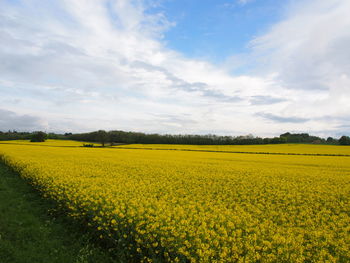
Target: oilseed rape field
(50,142)
(291,149)
(166,205)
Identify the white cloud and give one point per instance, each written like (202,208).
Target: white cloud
(243,2)
(310,50)
(85,65)
(311,46)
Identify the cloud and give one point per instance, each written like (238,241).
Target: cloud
(263,100)
(86,65)
(10,120)
(199,88)
(282,119)
(310,48)
(105,60)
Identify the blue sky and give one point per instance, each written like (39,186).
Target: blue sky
(222,67)
(215,30)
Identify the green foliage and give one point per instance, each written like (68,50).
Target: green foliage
(210,139)
(344,140)
(39,137)
(331,140)
(14,135)
(124,137)
(301,138)
(102,137)
(88,145)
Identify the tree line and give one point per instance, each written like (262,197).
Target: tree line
(33,136)
(114,137)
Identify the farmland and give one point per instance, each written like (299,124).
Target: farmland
(292,149)
(50,142)
(201,206)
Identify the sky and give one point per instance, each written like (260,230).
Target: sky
(226,67)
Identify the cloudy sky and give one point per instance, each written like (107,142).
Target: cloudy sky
(228,67)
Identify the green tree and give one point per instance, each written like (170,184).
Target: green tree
(331,140)
(39,137)
(102,137)
(344,140)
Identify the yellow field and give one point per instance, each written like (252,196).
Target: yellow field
(49,142)
(201,206)
(269,148)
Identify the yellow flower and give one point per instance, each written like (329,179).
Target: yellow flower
(199,204)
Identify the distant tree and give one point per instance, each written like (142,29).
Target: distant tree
(287,134)
(316,142)
(331,140)
(38,137)
(111,138)
(117,136)
(277,140)
(301,138)
(344,140)
(102,137)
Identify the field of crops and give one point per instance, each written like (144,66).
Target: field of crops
(180,206)
(269,148)
(50,142)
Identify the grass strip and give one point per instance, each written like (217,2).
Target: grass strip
(29,233)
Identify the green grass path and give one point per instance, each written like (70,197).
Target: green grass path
(29,234)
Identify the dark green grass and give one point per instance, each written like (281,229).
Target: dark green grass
(29,233)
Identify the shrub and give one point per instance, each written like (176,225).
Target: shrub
(88,145)
(39,137)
